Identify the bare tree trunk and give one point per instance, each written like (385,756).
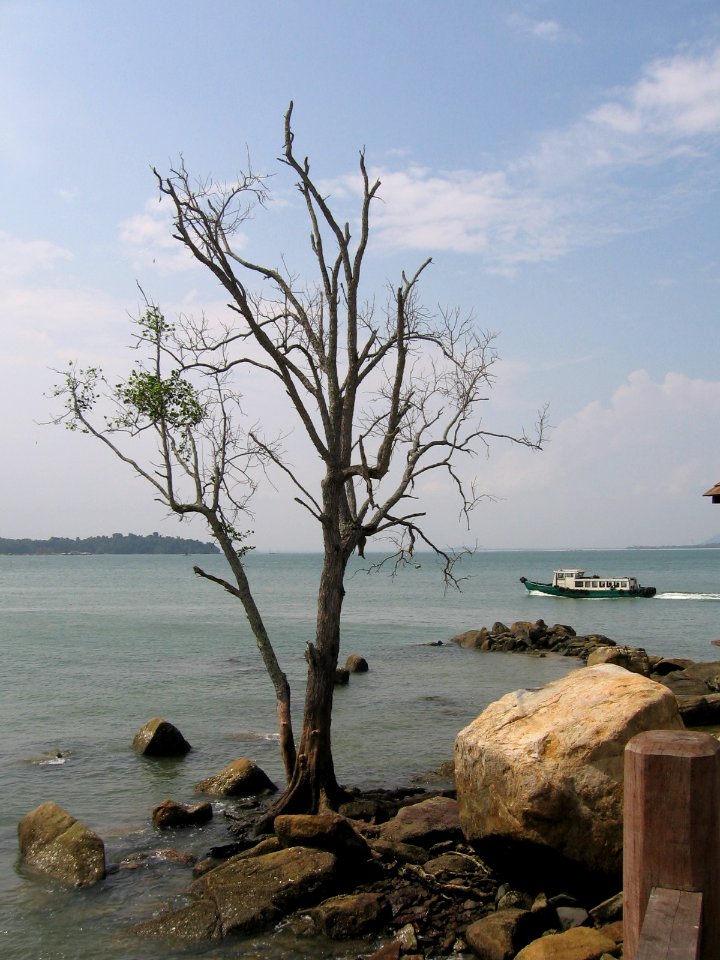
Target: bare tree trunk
(313,785)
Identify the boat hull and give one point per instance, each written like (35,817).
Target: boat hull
(580,594)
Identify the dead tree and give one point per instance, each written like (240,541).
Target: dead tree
(385,397)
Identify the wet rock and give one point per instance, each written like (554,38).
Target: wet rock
(545,767)
(245,895)
(171,814)
(351,915)
(356,664)
(54,843)
(159,738)
(424,823)
(241,778)
(342,677)
(389,951)
(251,893)
(195,924)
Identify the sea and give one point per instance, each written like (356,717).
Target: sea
(94,646)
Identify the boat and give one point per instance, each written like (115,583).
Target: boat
(577,584)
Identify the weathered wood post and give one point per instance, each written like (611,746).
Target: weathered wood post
(672,828)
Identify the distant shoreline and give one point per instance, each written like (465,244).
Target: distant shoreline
(118,545)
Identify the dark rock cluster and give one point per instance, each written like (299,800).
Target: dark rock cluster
(392,870)
(525,636)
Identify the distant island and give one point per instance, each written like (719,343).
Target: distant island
(118,543)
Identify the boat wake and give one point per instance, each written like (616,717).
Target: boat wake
(687,596)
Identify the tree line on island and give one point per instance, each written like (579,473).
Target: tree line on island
(118,543)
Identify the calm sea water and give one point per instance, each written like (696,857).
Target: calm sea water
(92,647)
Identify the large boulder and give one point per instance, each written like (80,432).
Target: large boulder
(241,778)
(159,738)
(545,767)
(54,843)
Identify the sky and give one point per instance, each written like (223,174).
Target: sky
(559,161)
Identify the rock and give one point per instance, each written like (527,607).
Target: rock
(569,917)
(683,685)
(449,865)
(352,915)
(406,938)
(342,677)
(388,951)
(424,823)
(709,672)
(580,943)
(609,910)
(471,639)
(195,924)
(700,711)
(241,778)
(499,935)
(246,894)
(368,810)
(389,851)
(158,738)
(634,659)
(356,664)
(254,892)
(172,814)
(324,831)
(54,843)
(545,767)
(665,665)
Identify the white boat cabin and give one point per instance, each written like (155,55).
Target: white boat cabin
(579,580)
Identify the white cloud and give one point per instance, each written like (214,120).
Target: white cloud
(609,466)
(20,258)
(581,186)
(549,30)
(147,238)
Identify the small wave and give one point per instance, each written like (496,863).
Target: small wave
(253,736)
(687,596)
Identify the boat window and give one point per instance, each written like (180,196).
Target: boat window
(578,583)
(595,583)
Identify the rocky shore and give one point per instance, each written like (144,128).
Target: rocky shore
(521,860)
(696,685)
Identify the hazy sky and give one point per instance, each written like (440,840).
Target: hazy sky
(560,161)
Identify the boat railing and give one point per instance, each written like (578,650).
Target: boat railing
(671,856)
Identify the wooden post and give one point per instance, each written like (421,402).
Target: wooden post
(672,827)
